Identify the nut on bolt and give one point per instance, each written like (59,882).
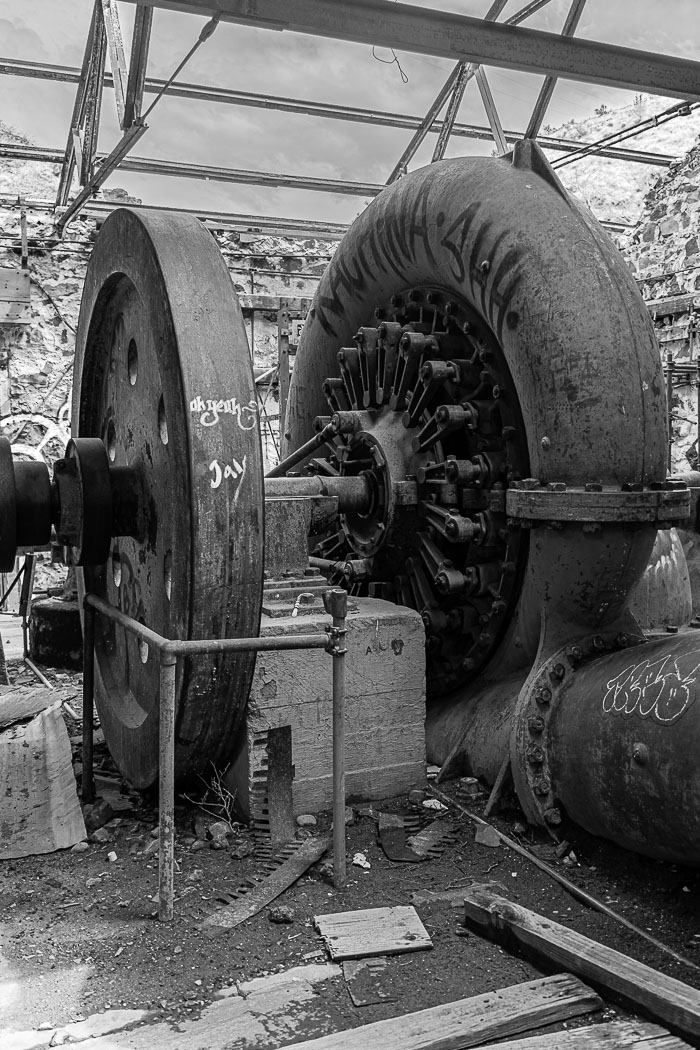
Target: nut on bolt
(542,785)
(535,723)
(558,672)
(553,816)
(535,755)
(543,695)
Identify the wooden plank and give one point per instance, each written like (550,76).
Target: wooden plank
(611,1035)
(249,905)
(373,931)
(41,812)
(18,703)
(671,305)
(15,296)
(470,1022)
(663,998)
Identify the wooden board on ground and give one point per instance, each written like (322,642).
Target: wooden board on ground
(610,1035)
(18,703)
(366,979)
(269,889)
(41,812)
(373,931)
(471,1022)
(653,993)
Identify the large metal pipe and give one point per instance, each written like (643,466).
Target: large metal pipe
(622,743)
(623,747)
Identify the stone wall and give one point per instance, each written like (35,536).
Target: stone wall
(36,359)
(663,252)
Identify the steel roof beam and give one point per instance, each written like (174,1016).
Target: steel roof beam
(461,37)
(154,166)
(137,65)
(117,59)
(547,90)
(229,96)
(151,166)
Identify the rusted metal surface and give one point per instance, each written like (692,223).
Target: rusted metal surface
(143,22)
(163,377)
(663,596)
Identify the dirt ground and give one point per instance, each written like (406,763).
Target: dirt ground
(80,934)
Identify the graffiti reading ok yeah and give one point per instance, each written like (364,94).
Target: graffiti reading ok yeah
(210,411)
(659,690)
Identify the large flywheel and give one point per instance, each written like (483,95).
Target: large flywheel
(164,379)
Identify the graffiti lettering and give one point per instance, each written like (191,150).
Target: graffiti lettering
(659,690)
(233,470)
(210,410)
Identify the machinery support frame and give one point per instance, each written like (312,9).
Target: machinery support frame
(170,651)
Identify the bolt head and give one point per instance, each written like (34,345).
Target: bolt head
(535,755)
(535,724)
(553,816)
(543,695)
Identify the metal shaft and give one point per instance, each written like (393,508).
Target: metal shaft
(336,603)
(87,793)
(166,786)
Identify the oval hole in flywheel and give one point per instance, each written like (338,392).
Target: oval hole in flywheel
(111,441)
(116,568)
(162,421)
(168,573)
(143,650)
(132,358)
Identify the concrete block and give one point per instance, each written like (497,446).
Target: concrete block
(384,708)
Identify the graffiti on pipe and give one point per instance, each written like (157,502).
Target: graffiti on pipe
(659,689)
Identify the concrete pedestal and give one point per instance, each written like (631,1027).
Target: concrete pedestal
(384,705)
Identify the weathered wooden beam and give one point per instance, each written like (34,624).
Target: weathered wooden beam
(136,82)
(663,998)
(425,31)
(610,1035)
(469,1022)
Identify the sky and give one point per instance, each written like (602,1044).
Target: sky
(305,67)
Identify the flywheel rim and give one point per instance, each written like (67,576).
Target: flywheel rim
(164,377)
